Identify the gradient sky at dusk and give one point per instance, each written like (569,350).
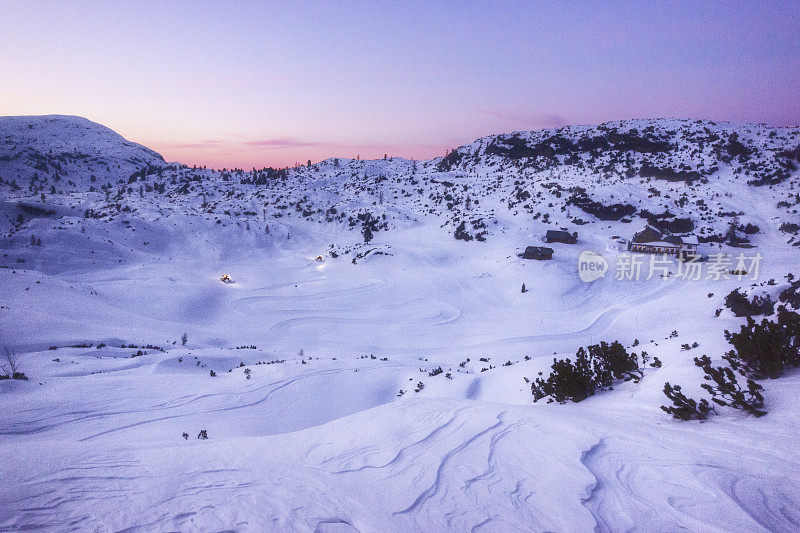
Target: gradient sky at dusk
(257,83)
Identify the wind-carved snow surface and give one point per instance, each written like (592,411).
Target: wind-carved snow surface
(315,417)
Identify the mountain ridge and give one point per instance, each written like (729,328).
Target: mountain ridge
(680,174)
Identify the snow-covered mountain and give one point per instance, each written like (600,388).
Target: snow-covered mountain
(370,366)
(681,175)
(55,147)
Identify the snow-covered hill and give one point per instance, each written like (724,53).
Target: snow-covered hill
(52,148)
(370,366)
(677,174)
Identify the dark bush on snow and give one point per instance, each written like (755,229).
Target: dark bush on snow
(791,294)
(722,384)
(676,225)
(515,147)
(599,210)
(725,389)
(760,350)
(8,368)
(751,229)
(742,306)
(766,349)
(789,227)
(791,154)
(733,148)
(611,362)
(15,375)
(598,366)
(568,381)
(651,171)
(684,408)
(452,159)
(462,234)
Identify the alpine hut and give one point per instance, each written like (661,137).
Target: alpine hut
(653,241)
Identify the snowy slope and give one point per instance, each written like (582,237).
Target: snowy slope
(52,147)
(315,415)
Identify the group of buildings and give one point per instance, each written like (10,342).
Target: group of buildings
(648,241)
(653,241)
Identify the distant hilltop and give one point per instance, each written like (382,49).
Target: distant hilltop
(63,145)
(670,149)
(677,175)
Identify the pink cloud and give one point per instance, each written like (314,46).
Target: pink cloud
(281,143)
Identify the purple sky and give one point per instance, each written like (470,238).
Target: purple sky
(240,83)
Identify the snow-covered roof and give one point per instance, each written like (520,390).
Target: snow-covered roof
(662,244)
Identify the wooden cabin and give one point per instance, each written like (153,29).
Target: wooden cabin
(539,253)
(561,236)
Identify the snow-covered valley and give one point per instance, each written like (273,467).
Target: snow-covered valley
(369,367)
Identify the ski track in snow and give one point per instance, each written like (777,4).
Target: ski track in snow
(467,466)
